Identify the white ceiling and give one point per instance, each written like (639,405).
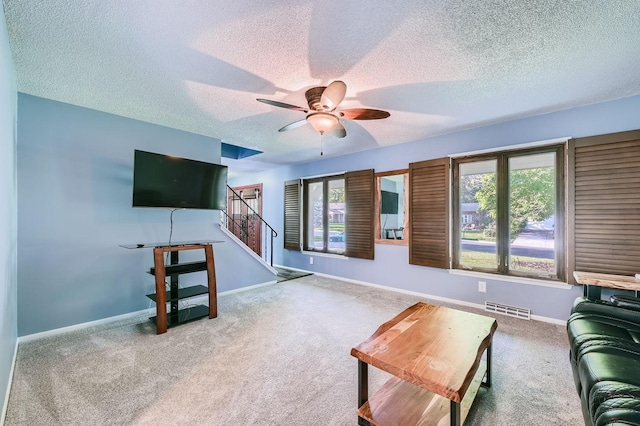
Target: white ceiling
(436,65)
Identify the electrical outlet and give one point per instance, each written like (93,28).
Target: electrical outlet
(310,260)
(482,286)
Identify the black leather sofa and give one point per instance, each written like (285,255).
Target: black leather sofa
(604,342)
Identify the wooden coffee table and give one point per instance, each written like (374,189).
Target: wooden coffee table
(435,355)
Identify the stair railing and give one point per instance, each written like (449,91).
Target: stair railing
(244,229)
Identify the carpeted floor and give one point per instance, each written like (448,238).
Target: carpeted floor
(276,355)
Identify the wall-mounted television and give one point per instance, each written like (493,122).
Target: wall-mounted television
(389,203)
(165,181)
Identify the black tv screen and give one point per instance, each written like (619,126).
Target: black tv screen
(164,181)
(389,203)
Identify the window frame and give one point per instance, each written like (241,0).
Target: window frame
(325,213)
(502,220)
(378,204)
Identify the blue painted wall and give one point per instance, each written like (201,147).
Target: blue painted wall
(75,174)
(391,267)
(8,227)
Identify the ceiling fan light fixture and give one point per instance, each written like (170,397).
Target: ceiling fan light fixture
(322,121)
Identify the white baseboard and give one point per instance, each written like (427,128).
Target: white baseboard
(5,406)
(62,330)
(150,311)
(419,294)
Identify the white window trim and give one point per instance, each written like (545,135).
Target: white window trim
(513,279)
(323,175)
(496,149)
(323,254)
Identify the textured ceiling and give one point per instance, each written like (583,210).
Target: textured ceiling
(436,65)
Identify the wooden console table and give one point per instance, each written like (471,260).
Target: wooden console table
(435,355)
(593,283)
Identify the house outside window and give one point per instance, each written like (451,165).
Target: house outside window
(508,213)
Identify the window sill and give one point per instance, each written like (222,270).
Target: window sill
(391,242)
(510,278)
(322,254)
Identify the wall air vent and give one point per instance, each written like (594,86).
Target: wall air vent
(511,311)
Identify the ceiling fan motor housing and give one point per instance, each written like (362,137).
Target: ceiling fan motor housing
(313,98)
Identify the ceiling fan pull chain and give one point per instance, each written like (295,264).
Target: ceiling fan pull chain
(321,144)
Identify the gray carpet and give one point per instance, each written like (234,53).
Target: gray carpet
(276,355)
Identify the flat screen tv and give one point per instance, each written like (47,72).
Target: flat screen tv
(389,203)
(165,181)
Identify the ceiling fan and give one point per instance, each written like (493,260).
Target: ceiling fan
(322,114)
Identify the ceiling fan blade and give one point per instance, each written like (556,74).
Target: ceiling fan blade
(338,131)
(281,104)
(363,114)
(294,125)
(333,95)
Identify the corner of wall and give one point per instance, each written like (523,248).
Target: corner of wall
(8,217)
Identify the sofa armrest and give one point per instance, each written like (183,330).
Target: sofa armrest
(626,302)
(605,308)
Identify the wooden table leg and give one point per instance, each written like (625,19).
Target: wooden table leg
(211,278)
(455,413)
(487,381)
(363,389)
(161,291)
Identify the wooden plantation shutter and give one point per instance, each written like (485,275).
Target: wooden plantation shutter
(360,220)
(292,214)
(429,218)
(604,203)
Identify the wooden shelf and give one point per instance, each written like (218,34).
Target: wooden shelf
(183,293)
(163,319)
(621,282)
(185,315)
(399,402)
(182,268)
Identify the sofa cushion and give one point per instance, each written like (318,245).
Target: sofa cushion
(586,326)
(594,343)
(606,364)
(605,308)
(618,411)
(606,390)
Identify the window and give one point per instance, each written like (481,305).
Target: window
(324,212)
(509,213)
(331,214)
